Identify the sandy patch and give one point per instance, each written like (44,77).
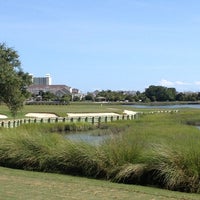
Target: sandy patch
(49,115)
(41,115)
(3,117)
(91,114)
(129,112)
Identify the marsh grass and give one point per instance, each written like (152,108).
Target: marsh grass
(158,150)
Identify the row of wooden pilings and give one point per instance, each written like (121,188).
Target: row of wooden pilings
(93,120)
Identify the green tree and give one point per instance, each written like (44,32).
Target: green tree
(160,93)
(13,81)
(65,98)
(89,97)
(48,96)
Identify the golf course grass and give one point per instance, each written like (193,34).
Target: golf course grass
(26,185)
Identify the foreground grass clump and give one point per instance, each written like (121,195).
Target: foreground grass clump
(158,150)
(35,150)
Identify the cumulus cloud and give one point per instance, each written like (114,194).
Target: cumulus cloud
(167,83)
(181,83)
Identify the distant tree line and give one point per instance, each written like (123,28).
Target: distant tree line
(151,94)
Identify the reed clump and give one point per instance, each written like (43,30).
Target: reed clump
(157,149)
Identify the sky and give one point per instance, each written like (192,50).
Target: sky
(106,44)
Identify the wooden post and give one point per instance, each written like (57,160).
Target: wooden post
(92,120)
(99,121)
(9,124)
(2,124)
(14,124)
(106,119)
(111,118)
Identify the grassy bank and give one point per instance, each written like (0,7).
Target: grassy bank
(23,185)
(62,110)
(157,149)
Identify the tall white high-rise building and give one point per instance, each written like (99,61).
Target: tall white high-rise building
(49,80)
(42,80)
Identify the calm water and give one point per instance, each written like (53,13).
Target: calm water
(91,138)
(87,137)
(177,106)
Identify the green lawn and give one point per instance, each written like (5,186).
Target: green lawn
(23,185)
(62,110)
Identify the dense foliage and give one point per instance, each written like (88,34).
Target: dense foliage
(13,81)
(156,149)
(151,94)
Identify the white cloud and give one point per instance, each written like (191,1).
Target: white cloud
(166,83)
(197,83)
(181,83)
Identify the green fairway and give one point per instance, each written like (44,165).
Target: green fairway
(23,185)
(62,110)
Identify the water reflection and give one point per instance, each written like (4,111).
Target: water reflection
(87,137)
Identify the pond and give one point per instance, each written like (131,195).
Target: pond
(175,106)
(89,137)
(198,127)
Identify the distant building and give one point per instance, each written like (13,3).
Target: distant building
(76,93)
(58,90)
(44,84)
(42,80)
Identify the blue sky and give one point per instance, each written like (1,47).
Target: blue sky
(106,44)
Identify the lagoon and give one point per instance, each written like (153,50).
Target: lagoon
(86,137)
(175,106)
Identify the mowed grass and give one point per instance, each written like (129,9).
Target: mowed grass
(23,185)
(62,110)
(80,107)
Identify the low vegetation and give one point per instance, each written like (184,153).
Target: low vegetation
(160,150)
(23,185)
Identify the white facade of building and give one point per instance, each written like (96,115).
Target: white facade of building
(42,80)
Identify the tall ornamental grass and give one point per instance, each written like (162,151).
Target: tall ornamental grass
(157,149)
(46,152)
